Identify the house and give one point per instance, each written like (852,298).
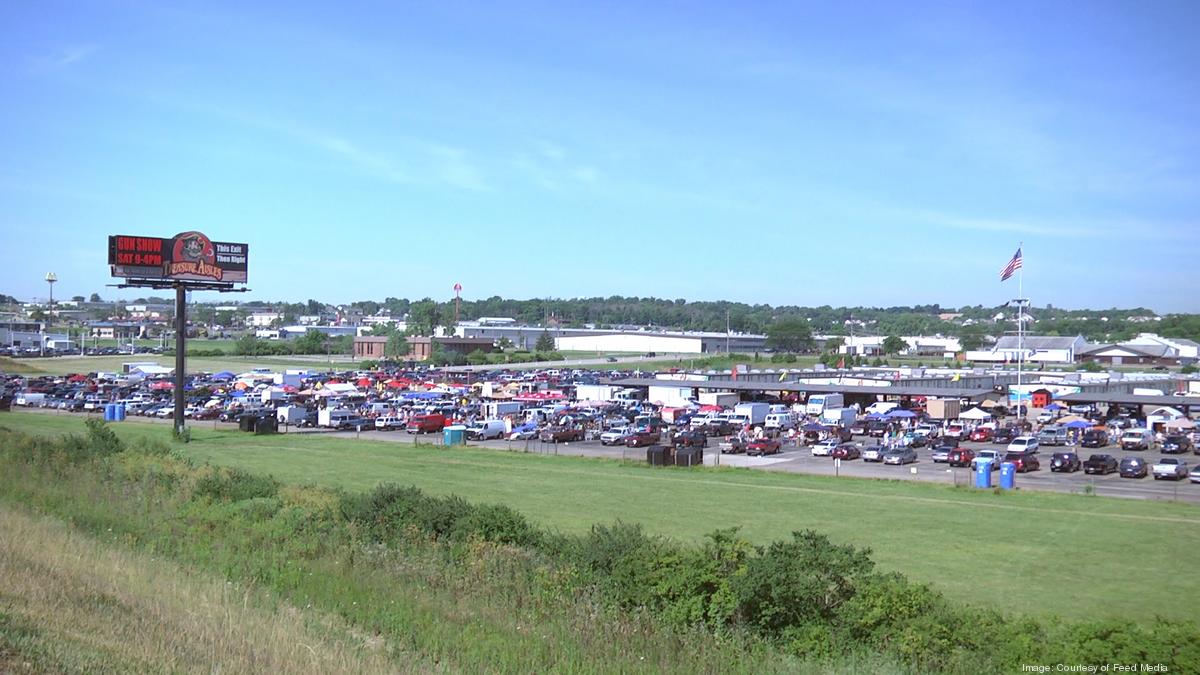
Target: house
(1032,348)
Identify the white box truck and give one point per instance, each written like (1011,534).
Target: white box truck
(495,410)
(842,417)
(725,399)
(755,412)
(818,403)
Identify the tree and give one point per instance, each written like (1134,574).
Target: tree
(37,315)
(397,345)
(312,342)
(790,335)
(95,298)
(504,344)
(833,344)
(76,298)
(544,343)
(893,345)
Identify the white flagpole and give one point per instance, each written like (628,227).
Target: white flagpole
(1020,327)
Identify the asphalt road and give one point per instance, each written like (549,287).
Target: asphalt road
(800,460)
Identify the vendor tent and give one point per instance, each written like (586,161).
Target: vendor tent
(975,414)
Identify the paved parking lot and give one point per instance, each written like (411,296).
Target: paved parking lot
(800,460)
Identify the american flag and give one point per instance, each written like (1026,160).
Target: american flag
(1012,266)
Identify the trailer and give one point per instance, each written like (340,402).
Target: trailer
(943,408)
(725,399)
(839,417)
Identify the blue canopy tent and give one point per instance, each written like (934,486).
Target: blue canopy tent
(1077,424)
(1054,406)
(223,375)
(813,426)
(901,414)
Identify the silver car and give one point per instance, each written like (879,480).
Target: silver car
(874,453)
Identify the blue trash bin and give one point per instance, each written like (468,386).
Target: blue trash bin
(110,412)
(1008,476)
(983,473)
(119,413)
(454,435)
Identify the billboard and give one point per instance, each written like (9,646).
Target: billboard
(188,256)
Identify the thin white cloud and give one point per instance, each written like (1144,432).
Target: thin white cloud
(63,57)
(454,168)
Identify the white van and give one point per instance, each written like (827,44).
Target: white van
(780,420)
(881,408)
(388,423)
(486,429)
(1137,439)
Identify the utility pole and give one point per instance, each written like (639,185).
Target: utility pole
(727,331)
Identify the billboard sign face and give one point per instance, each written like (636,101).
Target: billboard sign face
(188,256)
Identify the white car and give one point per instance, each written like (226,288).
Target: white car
(1194,475)
(1023,444)
(825,447)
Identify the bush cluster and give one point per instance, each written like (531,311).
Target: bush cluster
(391,513)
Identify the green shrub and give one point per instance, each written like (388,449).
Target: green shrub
(497,523)
(234,485)
(803,581)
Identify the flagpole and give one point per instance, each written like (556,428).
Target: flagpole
(1020,328)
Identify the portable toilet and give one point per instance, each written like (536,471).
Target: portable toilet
(454,435)
(110,412)
(983,473)
(120,417)
(1008,474)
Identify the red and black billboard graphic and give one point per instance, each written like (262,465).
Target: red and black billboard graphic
(189,256)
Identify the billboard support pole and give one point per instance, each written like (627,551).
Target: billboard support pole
(180,355)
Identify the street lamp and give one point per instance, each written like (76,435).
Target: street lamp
(51,277)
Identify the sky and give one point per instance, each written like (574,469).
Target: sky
(841,154)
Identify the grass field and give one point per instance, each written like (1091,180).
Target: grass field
(1077,556)
(109,609)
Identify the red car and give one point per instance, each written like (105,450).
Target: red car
(961,457)
(846,451)
(982,434)
(642,437)
(763,446)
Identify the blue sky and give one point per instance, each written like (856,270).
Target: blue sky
(846,154)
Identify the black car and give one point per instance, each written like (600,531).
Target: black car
(1095,438)
(1004,435)
(689,439)
(1176,444)
(1134,467)
(1065,462)
(1101,464)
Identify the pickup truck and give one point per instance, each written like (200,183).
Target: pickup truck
(560,435)
(614,435)
(1170,467)
(996,456)
(732,445)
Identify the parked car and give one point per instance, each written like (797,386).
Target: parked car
(982,434)
(1177,444)
(1134,467)
(388,423)
(560,434)
(960,457)
(424,424)
(762,446)
(1023,444)
(1095,438)
(994,455)
(642,437)
(485,429)
(1137,439)
(732,445)
(1169,468)
(1065,462)
(847,451)
(825,447)
(1194,474)
(940,453)
(873,453)
(916,439)
(614,436)
(1004,435)
(690,439)
(1100,464)
(1023,461)
(1053,435)
(900,456)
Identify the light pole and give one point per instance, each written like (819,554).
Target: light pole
(51,277)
